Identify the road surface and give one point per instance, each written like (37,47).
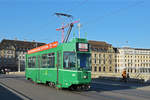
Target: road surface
(16,87)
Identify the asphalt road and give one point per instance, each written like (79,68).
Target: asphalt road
(15,87)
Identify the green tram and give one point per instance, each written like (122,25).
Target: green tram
(67,65)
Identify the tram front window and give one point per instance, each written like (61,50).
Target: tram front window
(84,61)
(69,60)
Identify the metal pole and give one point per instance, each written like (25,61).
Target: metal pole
(79,25)
(19,65)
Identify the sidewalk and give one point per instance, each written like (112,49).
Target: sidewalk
(17,73)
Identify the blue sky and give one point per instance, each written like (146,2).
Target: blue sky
(112,21)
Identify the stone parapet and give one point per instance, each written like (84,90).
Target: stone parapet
(118,76)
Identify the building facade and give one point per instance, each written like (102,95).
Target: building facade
(133,60)
(103,58)
(12,53)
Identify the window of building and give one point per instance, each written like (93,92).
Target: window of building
(99,55)
(104,69)
(104,61)
(110,68)
(131,70)
(149,70)
(135,71)
(99,68)
(95,61)
(110,61)
(95,68)
(99,61)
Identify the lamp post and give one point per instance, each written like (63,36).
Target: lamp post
(18,64)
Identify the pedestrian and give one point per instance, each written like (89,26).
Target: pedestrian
(124,76)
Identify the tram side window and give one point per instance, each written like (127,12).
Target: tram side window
(44,61)
(48,60)
(69,60)
(51,60)
(31,62)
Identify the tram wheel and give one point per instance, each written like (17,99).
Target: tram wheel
(51,84)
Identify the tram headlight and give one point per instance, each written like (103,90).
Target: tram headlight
(84,76)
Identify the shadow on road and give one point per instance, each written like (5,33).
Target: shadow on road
(100,84)
(5,94)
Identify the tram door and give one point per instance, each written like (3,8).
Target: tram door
(38,69)
(58,66)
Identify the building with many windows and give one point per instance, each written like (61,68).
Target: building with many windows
(134,60)
(12,53)
(103,58)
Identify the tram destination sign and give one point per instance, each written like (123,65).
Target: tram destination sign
(84,47)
